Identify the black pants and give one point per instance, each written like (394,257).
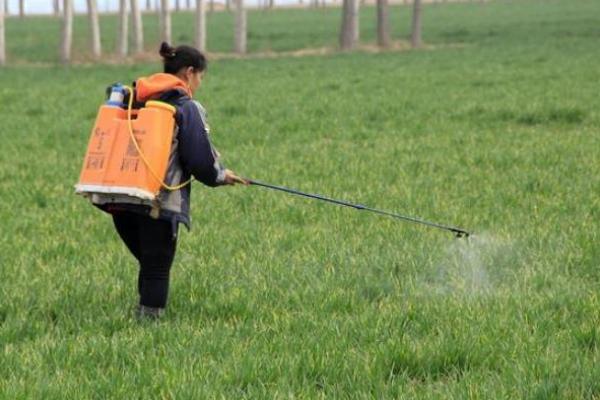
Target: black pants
(153,243)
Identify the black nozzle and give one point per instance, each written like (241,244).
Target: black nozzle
(462,234)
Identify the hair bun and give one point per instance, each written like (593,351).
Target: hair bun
(166,51)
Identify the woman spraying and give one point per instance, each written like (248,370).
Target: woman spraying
(150,233)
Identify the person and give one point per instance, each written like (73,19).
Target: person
(151,234)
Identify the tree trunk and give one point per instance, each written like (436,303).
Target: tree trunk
(343,39)
(228,5)
(123,25)
(165,21)
(356,27)
(240,27)
(349,33)
(271,3)
(383,23)
(2,43)
(415,38)
(94,28)
(6,9)
(212,6)
(148,5)
(137,26)
(177,6)
(200,25)
(66,32)
(56,4)
(21,8)
(188,4)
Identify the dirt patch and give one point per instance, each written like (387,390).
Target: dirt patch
(153,57)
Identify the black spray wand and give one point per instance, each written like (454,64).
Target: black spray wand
(457,231)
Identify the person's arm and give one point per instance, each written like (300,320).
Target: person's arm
(196,152)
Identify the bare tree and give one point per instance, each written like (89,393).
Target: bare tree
(240,27)
(148,5)
(415,38)
(56,4)
(165,21)
(137,26)
(67,31)
(228,5)
(201,25)
(349,33)
(21,8)
(6,9)
(177,6)
(212,6)
(271,3)
(122,38)
(188,4)
(383,23)
(2,44)
(94,28)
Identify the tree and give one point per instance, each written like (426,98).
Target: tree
(21,8)
(200,25)
(383,23)
(138,28)
(240,27)
(349,33)
(177,6)
(56,4)
(415,37)
(122,37)
(148,5)
(67,31)
(165,21)
(2,44)
(94,28)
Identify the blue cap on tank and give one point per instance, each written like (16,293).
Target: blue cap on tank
(117,95)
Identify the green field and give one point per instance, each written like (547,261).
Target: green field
(494,129)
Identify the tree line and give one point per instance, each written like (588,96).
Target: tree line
(348,37)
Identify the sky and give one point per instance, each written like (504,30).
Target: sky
(45,6)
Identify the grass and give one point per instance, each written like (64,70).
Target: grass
(279,297)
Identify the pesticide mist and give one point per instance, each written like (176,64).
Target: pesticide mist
(475,266)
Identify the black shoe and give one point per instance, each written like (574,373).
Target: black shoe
(148,313)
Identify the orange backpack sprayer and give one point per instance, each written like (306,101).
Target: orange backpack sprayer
(129,150)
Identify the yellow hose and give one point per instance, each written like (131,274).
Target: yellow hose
(139,150)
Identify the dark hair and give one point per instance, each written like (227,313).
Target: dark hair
(174,59)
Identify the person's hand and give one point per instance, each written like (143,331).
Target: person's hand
(231,178)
